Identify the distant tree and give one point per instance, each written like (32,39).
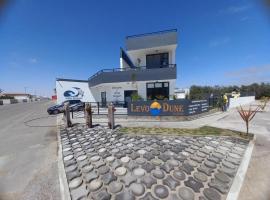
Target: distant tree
(202,92)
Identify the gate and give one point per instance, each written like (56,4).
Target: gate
(99,108)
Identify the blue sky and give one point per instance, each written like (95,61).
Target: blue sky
(220,42)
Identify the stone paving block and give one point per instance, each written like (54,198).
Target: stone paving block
(79,193)
(108,178)
(195,185)
(148,167)
(90,176)
(186,193)
(230,172)
(171,182)
(161,191)
(144,167)
(211,194)
(128,179)
(208,171)
(179,175)
(148,181)
(201,177)
(187,168)
(148,196)
(219,186)
(101,195)
(137,189)
(72,175)
(222,177)
(115,187)
(125,195)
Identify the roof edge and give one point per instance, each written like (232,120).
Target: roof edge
(152,33)
(71,80)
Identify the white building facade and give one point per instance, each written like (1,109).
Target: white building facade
(147,70)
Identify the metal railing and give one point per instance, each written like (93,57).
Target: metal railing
(141,68)
(101,108)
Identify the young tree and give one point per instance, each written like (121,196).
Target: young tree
(247,115)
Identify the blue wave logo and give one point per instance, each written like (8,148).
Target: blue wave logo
(74,92)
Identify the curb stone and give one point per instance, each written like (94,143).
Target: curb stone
(64,189)
(241,172)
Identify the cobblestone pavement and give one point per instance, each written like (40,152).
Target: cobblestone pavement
(103,164)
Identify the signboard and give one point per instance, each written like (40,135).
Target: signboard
(179,107)
(73,93)
(116,93)
(73,90)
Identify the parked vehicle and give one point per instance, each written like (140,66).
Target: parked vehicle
(75,105)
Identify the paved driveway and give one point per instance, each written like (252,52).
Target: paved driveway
(103,164)
(257,180)
(28,152)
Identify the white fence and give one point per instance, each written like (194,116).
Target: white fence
(12,101)
(235,102)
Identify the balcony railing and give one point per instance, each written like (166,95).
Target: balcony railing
(141,68)
(117,75)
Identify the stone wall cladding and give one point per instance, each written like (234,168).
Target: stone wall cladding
(103,164)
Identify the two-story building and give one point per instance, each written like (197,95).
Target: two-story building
(147,70)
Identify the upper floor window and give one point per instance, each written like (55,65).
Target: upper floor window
(157,60)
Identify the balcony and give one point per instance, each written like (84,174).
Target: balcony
(133,74)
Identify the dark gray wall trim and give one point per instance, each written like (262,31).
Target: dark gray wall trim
(71,80)
(152,40)
(134,75)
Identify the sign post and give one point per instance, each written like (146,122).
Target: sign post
(111,111)
(67,115)
(88,115)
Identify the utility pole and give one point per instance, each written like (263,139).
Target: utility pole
(25,89)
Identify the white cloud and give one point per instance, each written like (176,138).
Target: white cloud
(219,42)
(235,9)
(242,19)
(249,74)
(238,9)
(32,60)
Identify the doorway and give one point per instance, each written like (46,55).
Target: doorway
(128,96)
(103,99)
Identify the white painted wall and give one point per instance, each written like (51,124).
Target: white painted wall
(123,63)
(115,91)
(141,54)
(21,97)
(62,86)
(235,102)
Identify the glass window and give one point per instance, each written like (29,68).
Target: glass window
(150,85)
(158,91)
(157,60)
(158,85)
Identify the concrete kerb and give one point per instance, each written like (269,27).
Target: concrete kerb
(241,172)
(64,189)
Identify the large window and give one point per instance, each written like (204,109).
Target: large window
(157,60)
(157,90)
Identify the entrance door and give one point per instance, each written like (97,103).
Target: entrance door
(103,99)
(157,90)
(127,96)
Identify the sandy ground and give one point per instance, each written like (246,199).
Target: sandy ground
(28,152)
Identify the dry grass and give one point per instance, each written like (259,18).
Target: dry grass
(203,131)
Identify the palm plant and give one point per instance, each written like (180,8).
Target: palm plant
(247,115)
